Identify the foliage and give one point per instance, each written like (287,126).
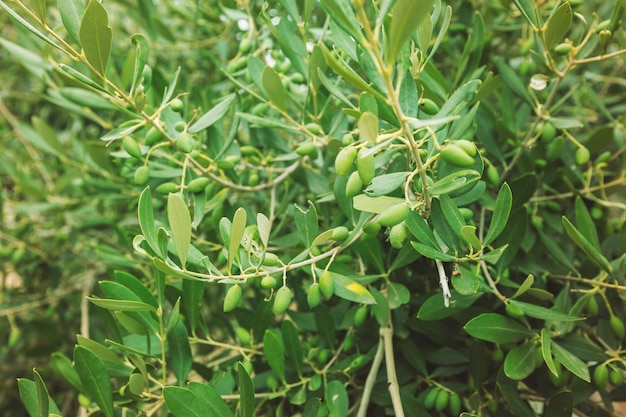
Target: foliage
(338,207)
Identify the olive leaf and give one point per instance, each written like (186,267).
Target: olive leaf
(96,36)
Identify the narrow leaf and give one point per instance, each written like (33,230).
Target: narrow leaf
(273,87)
(146,220)
(500,214)
(293,348)
(454,182)
(528,11)
(212,116)
(469,235)
(432,253)
(558,24)
(96,36)
(341,11)
(213,402)
(184,403)
(585,224)
(368,127)
(586,246)
(560,405)
(180,225)
(571,362)
(306,223)
(337,399)
(94,377)
(246,392)
(43,402)
(30,27)
(180,357)
(141,56)
(546,351)
(539,312)
(407,15)
(265,226)
(71,14)
(236,234)
(497,328)
(512,80)
(528,283)
(274,351)
(120,305)
(520,361)
(419,227)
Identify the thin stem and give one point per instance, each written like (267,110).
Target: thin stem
(390,365)
(371,379)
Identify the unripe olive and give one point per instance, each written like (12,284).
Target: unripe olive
(365,165)
(429,399)
(283,66)
(397,235)
(493,176)
(245,45)
(601,376)
(184,142)
(142,174)
(131,147)
(198,184)
(272,383)
(454,404)
(243,335)
(563,48)
(455,155)
(270,259)
(419,185)
(347,139)
(315,383)
(605,37)
(616,378)
(548,133)
(314,128)
(84,400)
(359,316)
(604,157)
(582,155)
(348,342)
(497,355)
(322,356)
(253,179)
(393,215)
(372,228)
(268,282)
(153,136)
(313,295)
(176,105)
(513,310)
(180,126)
(228,162)
(428,106)
(282,300)
(354,185)
(467,146)
(307,149)
(166,188)
(247,150)
(340,233)
(442,399)
(344,159)
(592,306)
(467,213)
(327,284)
(617,326)
(233,296)
(259,109)
(555,148)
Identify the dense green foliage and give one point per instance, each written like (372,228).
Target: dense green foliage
(313,208)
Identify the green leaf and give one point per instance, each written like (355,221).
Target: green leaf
(557,25)
(528,283)
(419,227)
(336,397)
(556,252)
(528,11)
(63,367)
(341,11)
(546,351)
(376,204)
(350,290)
(510,392)
(266,122)
(28,395)
(435,309)
(30,27)
(512,80)
(180,357)
(585,224)
(43,401)
(121,305)
(246,392)
(432,253)
(180,225)
(398,295)
(408,96)
(146,221)
(451,213)
(538,312)
(467,282)
(96,36)
(71,14)
(274,351)
(586,246)
(560,405)
(407,16)
(265,226)
(184,403)
(236,234)
(520,361)
(311,407)
(368,127)
(273,88)
(468,233)
(306,223)
(213,115)
(385,184)
(212,401)
(571,362)
(493,256)
(141,56)
(497,328)
(453,182)
(293,348)
(98,349)
(500,214)
(94,377)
